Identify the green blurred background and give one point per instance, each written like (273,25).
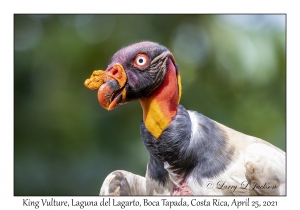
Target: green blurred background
(233,70)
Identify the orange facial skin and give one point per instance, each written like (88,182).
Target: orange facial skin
(161,106)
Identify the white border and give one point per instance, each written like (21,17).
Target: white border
(8,8)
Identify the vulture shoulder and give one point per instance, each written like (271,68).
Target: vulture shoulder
(255,166)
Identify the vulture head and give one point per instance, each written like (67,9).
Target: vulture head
(144,71)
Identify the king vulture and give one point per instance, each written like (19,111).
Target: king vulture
(190,154)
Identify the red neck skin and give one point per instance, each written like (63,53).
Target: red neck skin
(161,106)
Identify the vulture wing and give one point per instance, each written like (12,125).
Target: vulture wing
(123,183)
(265,169)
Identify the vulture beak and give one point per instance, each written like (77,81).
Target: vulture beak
(110,84)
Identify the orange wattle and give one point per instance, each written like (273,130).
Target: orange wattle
(161,106)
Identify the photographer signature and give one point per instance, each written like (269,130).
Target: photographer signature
(223,185)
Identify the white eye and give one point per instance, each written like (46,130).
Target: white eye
(141,60)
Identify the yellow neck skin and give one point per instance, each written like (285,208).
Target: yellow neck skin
(161,106)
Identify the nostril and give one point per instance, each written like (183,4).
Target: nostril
(117,72)
(114,71)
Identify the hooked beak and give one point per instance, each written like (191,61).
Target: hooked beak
(111,84)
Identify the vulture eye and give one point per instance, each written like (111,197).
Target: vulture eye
(141,60)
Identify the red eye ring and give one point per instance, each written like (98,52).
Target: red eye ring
(141,61)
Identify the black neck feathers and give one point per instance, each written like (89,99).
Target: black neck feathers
(192,143)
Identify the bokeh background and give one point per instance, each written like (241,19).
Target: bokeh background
(233,70)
